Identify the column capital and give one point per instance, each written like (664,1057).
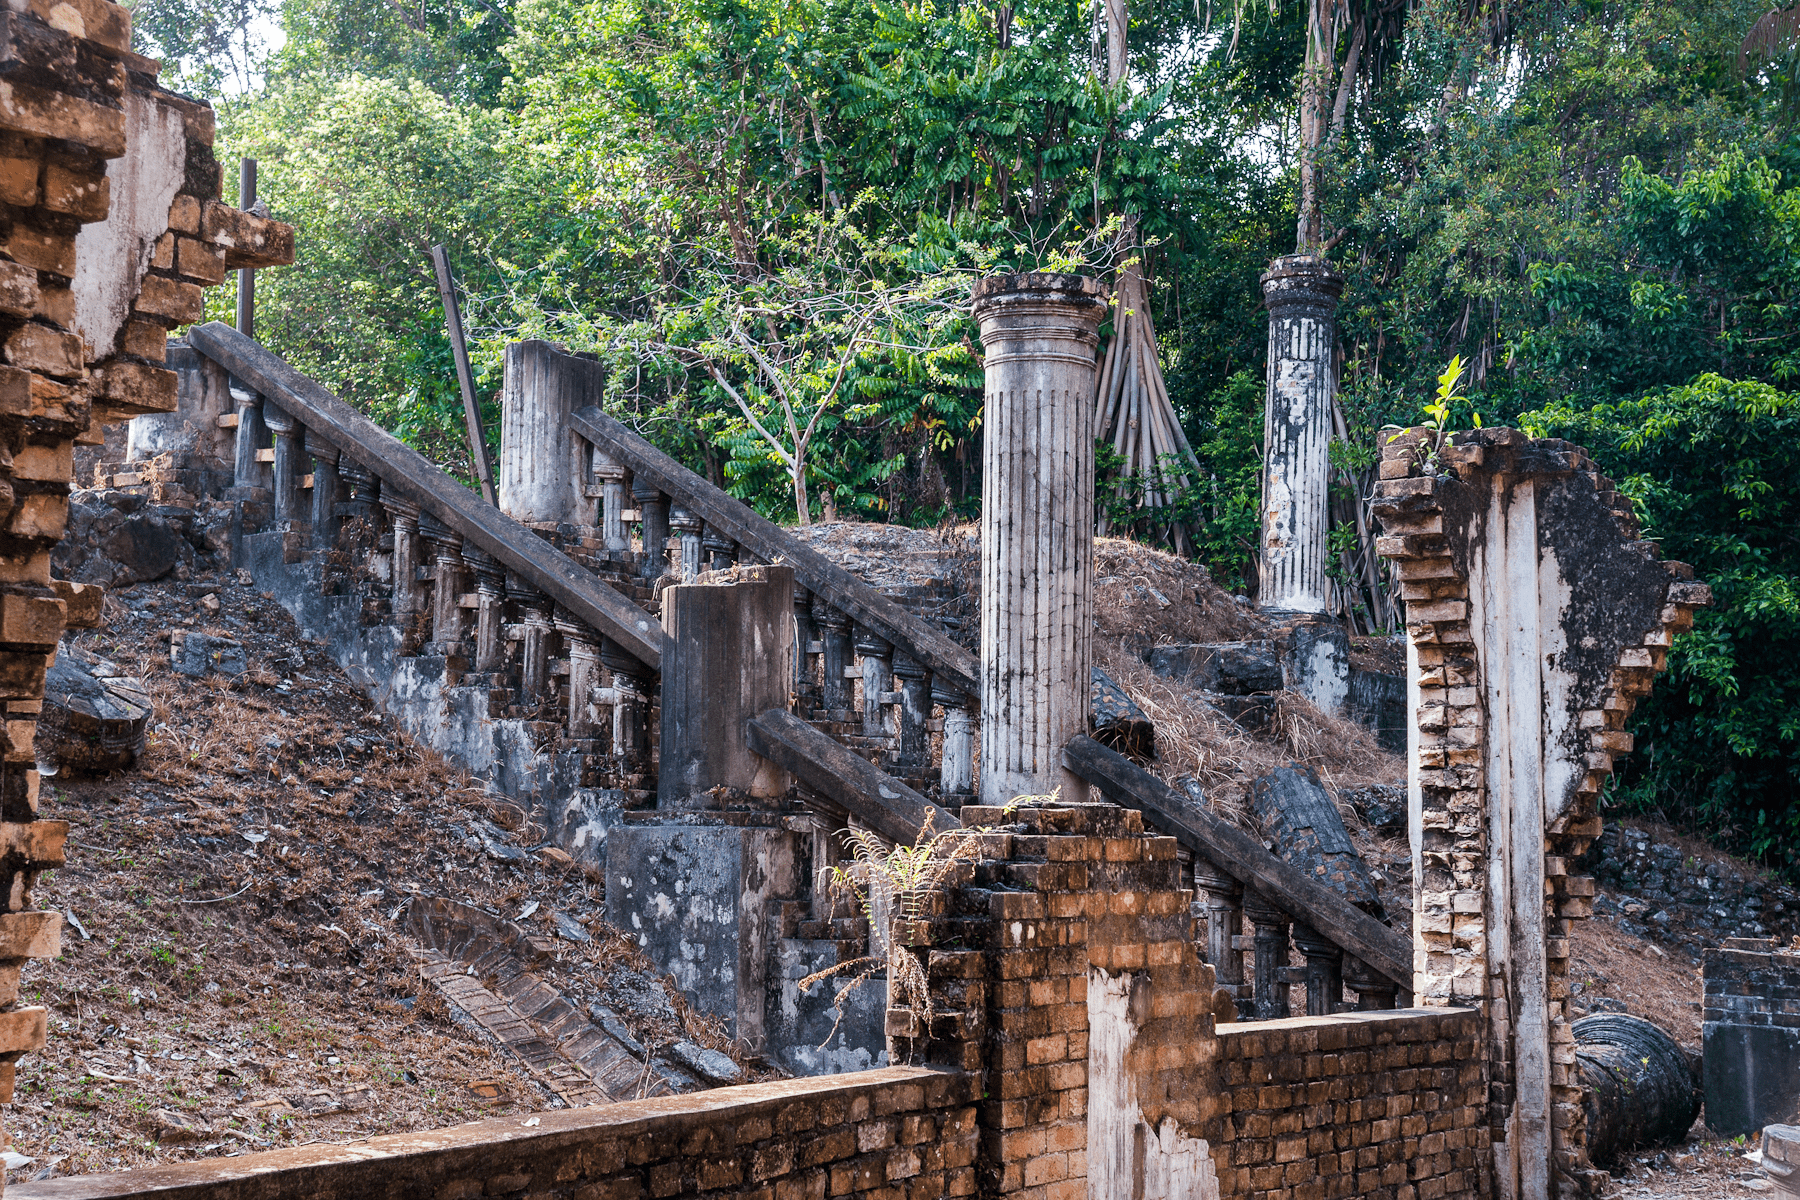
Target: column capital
(1301,285)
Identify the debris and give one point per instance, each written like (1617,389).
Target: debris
(94,713)
(708,1063)
(1382,805)
(569,929)
(171,1127)
(76,925)
(530,907)
(1304,825)
(1229,668)
(196,654)
(210,602)
(1119,722)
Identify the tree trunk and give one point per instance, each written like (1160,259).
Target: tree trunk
(1315,83)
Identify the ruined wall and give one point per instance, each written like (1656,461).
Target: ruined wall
(904,1133)
(1536,619)
(1367,1104)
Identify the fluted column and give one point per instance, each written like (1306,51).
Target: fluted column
(1040,333)
(1301,294)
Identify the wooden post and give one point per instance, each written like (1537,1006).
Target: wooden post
(465,378)
(1301,294)
(1040,333)
(246,297)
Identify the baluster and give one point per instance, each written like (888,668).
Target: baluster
(631,706)
(324,490)
(1374,992)
(584,673)
(876,671)
(804,651)
(653,513)
(448,626)
(364,489)
(490,592)
(1271,987)
(1324,971)
(1224,926)
(612,476)
(403,515)
(289,437)
(534,654)
(835,694)
(913,695)
(247,471)
(687,527)
(721,551)
(956,775)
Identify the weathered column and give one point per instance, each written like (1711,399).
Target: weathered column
(687,527)
(541,460)
(403,516)
(1374,991)
(727,660)
(448,627)
(834,633)
(1271,984)
(490,591)
(289,436)
(614,484)
(1040,333)
(653,513)
(721,551)
(1537,617)
(534,651)
(874,667)
(1224,925)
(956,770)
(1324,970)
(364,488)
(913,683)
(804,652)
(324,490)
(1301,294)
(247,471)
(583,645)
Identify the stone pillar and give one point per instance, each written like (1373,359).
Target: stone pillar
(1374,991)
(364,488)
(1301,294)
(956,770)
(403,515)
(1040,333)
(653,512)
(248,472)
(448,627)
(1224,925)
(614,485)
(534,651)
(584,674)
(541,460)
(1271,982)
(876,657)
(835,693)
(721,551)
(727,660)
(631,704)
(1324,971)
(1536,618)
(290,439)
(490,591)
(913,749)
(324,490)
(803,642)
(687,527)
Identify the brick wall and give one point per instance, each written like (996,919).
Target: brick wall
(1378,1105)
(900,1133)
(1751,1031)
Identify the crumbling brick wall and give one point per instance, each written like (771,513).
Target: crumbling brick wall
(79,113)
(1377,1105)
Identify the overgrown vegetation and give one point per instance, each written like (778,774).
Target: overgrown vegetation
(1592,205)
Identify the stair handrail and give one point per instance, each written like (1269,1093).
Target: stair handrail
(422,482)
(949,663)
(1240,856)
